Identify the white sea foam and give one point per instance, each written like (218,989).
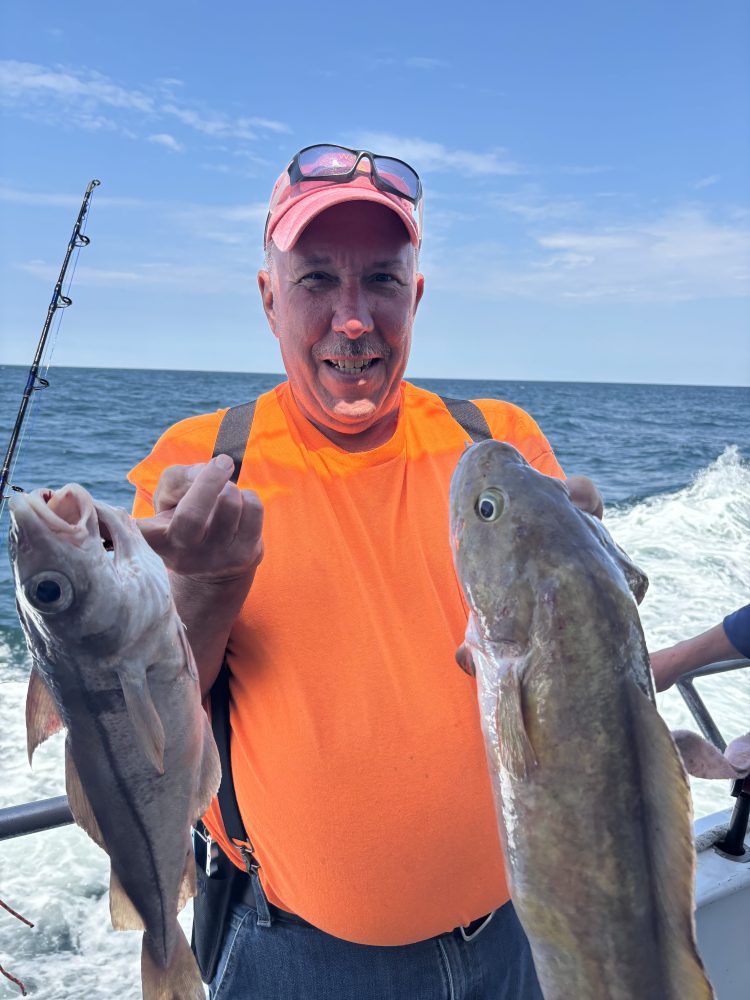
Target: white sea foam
(693,545)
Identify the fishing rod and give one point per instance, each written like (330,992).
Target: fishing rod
(34,381)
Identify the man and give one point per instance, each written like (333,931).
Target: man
(357,755)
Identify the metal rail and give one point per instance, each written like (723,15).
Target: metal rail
(733,843)
(46,814)
(696,704)
(31,817)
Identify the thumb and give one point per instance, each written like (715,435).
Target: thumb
(154,528)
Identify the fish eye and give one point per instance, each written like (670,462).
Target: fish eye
(49,592)
(490,505)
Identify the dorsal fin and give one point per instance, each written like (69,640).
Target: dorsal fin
(42,715)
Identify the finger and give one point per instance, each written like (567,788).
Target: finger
(193,512)
(225,517)
(173,484)
(154,529)
(250,528)
(585,495)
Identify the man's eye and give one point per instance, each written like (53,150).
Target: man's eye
(315,276)
(384,278)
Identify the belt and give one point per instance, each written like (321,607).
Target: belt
(246,897)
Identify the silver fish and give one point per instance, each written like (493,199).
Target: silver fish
(593,801)
(112,665)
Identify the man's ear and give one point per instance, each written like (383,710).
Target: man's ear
(419,291)
(265,284)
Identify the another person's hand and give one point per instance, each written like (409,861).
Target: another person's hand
(204,526)
(585,495)
(669,664)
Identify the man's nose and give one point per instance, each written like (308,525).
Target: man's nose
(352,316)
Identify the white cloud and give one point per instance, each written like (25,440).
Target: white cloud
(705,182)
(168,141)
(233,225)
(192,278)
(590,242)
(88,99)
(531,204)
(682,255)
(42,199)
(425,156)
(29,82)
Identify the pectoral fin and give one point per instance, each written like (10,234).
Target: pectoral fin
(188,887)
(703,760)
(516,752)
(144,718)
(42,716)
(210,770)
(190,665)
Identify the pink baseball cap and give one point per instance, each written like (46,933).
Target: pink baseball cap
(294,205)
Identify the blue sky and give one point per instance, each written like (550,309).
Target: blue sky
(586,167)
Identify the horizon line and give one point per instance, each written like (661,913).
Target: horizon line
(422,378)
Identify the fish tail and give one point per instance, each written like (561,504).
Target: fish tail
(179,980)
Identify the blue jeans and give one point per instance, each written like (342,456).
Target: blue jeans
(269,954)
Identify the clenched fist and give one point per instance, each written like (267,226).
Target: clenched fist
(204,526)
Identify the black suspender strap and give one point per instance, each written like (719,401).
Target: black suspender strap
(234,432)
(230,810)
(469,416)
(232,438)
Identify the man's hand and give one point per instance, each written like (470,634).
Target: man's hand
(204,526)
(585,495)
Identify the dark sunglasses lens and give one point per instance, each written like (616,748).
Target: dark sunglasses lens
(325,161)
(399,175)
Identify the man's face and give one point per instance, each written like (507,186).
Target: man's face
(342,303)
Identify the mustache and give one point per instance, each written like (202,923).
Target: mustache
(366,346)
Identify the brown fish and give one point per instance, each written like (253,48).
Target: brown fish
(592,797)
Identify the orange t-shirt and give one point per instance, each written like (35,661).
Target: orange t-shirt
(357,754)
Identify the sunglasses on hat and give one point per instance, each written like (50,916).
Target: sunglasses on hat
(318,166)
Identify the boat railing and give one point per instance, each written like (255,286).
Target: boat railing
(47,814)
(733,843)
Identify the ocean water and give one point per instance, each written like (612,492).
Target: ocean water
(673,464)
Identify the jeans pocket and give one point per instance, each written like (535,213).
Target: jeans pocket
(237,926)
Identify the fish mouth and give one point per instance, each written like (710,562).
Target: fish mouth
(71,514)
(68,513)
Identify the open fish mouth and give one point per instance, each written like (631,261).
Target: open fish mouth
(71,515)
